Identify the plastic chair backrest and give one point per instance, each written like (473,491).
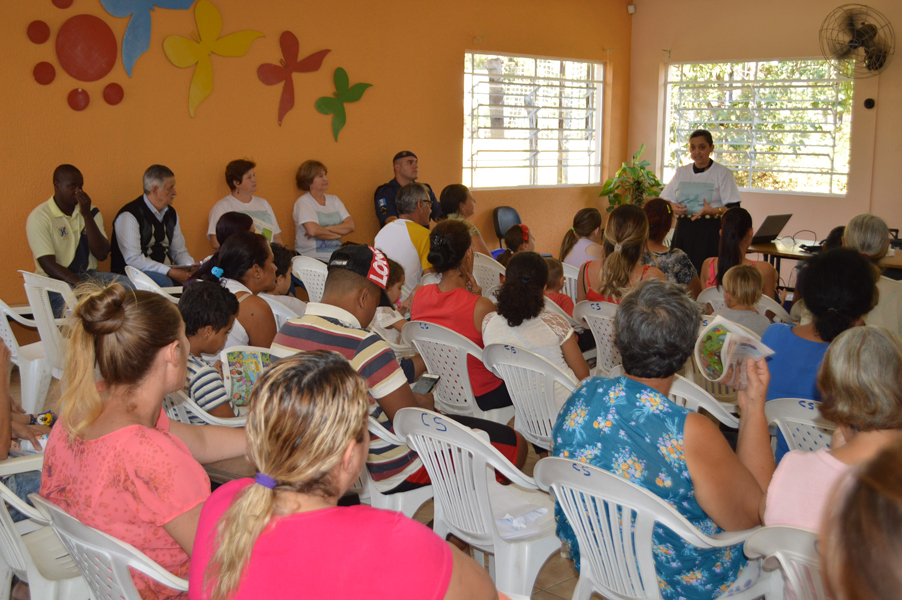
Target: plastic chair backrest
(613,520)
(142,282)
(487,271)
(693,397)
(460,464)
(12,549)
(599,317)
(281,312)
(241,367)
(180,407)
(313,273)
(37,289)
(553,307)
(797,553)
(780,315)
(445,354)
(800,422)
(571,278)
(713,296)
(103,560)
(6,332)
(530,380)
(504,217)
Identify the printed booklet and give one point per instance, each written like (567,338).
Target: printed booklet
(725,346)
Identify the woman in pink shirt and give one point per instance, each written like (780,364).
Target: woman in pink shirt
(283,535)
(115,461)
(860,381)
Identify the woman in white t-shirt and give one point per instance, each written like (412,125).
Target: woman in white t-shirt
(242,181)
(320,219)
(521,320)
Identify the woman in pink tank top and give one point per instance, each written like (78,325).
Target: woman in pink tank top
(619,266)
(455,302)
(736,235)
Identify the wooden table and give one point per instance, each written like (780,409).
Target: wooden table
(777,251)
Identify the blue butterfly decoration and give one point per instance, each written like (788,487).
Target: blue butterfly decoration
(136,40)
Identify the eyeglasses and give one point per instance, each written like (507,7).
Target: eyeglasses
(427,201)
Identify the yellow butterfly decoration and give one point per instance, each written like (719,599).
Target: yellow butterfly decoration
(184,53)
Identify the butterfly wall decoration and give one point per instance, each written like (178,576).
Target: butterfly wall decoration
(136,40)
(184,52)
(335,104)
(271,74)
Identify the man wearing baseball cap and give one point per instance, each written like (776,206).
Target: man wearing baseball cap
(355,287)
(406,171)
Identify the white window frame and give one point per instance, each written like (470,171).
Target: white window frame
(722,141)
(481,125)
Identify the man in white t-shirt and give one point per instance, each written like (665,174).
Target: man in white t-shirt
(406,239)
(242,181)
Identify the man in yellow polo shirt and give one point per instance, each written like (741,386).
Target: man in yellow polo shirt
(66,235)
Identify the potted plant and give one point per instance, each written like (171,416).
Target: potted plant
(632,184)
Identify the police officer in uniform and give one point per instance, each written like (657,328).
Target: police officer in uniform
(406,171)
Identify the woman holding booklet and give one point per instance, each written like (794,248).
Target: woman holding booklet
(627,426)
(699,194)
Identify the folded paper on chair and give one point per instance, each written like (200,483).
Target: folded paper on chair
(724,347)
(515,517)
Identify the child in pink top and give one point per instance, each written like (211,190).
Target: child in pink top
(555,284)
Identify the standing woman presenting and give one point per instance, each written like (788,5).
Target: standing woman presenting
(698,230)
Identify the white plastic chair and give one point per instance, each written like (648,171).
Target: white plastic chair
(800,422)
(487,272)
(37,289)
(692,396)
(599,318)
(445,354)
(313,273)
(780,314)
(468,500)
(102,559)
(530,380)
(614,520)
(180,407)
(30,550)
(553,307)
(34,371)
(714,296)
(404,502)
(241,367)
(571,279)
(281,312)
(795,551)
(142,282)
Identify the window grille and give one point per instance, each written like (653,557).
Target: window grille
(531,121)
(779,125)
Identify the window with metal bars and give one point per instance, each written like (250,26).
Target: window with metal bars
(531,121)
(779,125)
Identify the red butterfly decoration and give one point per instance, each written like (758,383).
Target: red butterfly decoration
(271,74)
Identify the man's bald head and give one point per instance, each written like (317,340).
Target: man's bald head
(65,171)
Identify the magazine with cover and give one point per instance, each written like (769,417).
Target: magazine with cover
(692,195)
(725,347)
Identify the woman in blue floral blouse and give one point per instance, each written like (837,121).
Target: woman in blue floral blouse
(627,426)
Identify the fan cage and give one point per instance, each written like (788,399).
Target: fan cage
(859,39)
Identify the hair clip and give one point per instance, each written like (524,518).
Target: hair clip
(217,272)
(525,231)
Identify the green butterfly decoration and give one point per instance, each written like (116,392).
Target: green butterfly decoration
(335,104)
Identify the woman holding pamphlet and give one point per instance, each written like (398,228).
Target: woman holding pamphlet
(699,194)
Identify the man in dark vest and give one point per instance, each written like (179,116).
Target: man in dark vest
(146,233)
(407,170)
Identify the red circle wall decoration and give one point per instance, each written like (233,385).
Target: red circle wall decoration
(113,94)
(62,3)
(44,73)
(78,99)
(38,32)
(86,48)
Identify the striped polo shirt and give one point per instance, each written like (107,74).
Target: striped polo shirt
(327,327)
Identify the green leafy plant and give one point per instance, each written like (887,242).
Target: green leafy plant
(335,104)
(632,184)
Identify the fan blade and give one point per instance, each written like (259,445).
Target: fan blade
(867,35)
(875,58)
(850,23)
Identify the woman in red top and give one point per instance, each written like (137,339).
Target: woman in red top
(456,303)
(620,267)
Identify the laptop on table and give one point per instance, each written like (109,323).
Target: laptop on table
(770,229)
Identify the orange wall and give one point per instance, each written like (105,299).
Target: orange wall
(706,30)
(411,51)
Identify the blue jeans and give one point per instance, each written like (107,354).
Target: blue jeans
(160,279)
(92,276)
(22,484)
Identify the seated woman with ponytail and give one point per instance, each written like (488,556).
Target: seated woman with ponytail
(459,204)
(584,234)
(619,267)
(244,265)
(517,239)
(456,303)
(282,533)
(114,461)
(521,320)
(736,235)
